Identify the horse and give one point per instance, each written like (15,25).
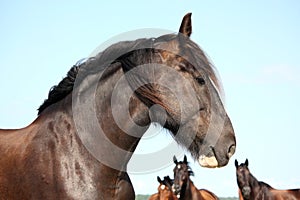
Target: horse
(164,190)
(250,188)
(88,128)
(184,187)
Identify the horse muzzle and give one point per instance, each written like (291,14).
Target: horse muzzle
(176,189)
(246,192)
(213,158)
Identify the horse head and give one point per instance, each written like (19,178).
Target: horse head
(182,173)
(174,78)
(243,177)
(165,188)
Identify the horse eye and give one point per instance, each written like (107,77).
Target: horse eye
(200,80)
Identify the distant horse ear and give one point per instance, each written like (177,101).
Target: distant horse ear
(236,163)
(247,162)
(168,179)
(159,180)
(185,159)
(175,160)
(186,25)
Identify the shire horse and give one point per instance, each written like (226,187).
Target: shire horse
(250,188)
(92,121)
(184,187)
(164,190)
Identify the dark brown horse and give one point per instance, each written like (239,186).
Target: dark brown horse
(184,187)
(250,188)
(164,190)
(92,121)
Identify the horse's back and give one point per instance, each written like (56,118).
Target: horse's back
(207,195)
(292,194)
(295,193)
(12,138)
(13,145)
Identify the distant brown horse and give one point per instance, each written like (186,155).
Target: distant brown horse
(252,189)
(164,190)
(92,121)
(184,187)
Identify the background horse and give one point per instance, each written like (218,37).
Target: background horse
(164,190)
(92,121)
(250,188)
(184,187)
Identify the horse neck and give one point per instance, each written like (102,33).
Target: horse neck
(91,112)
(123,120)
(63,121)
(188,190)
(107,108)
(256,186)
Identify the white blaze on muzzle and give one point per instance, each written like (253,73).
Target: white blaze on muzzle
(210,162)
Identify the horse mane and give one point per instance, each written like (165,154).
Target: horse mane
(190,171)
(260,183)
(90,65)
(110,56)
(60,91)
(265,184)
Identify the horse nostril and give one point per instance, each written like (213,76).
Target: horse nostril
(231,150)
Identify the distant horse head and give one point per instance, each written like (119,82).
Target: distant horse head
(251,188)
(184,187)
(182,173)
(243,178)
(165,188)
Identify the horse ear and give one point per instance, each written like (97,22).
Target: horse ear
(158,179)
(247,162)
(168,179)
(185,159)
(175,160)
(186,25)
(236,163)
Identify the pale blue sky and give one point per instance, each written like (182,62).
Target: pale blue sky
(254,45)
